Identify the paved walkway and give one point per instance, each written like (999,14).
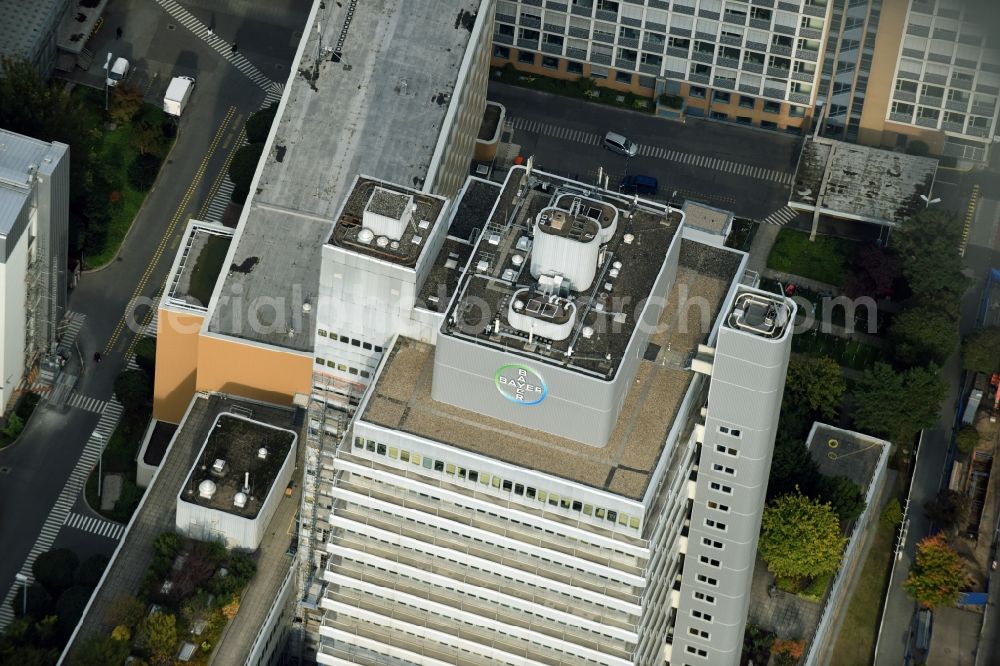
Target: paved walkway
(761,246)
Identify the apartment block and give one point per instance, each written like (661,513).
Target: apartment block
(556,476)
(936,78)
(755,62)
(34,219)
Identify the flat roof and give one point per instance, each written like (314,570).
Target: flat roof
(861,183)
(699,216)
(389,200)
(236,446)
(24,25)
(840,452)
(126,573)
(18,155)
(500,274)
(378,109)
(400,398)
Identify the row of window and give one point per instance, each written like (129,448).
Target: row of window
(343,367)
(349,341)
(497,482)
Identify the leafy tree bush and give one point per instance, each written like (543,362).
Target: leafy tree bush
(892,514)
(981,351)
(134,390)
(142,171)
(816,383)
(843,495)
(259,124)
(966,439)
(792,467)
(13,427)
(145,355)
(98,649)
(949,509)
(69,608)
(156,636)
(873,273)
(89,573)
(39,601)
(898,404)
(126,610)
(126,102)
(800,537)
(242,168)
(921,334)
(787,652)
(937,576)
(926,245)
(54,569)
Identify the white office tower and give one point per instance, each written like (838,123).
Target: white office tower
(523,489)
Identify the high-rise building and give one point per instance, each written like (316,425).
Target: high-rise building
(756,63)
(34,218)
(935,78)
(569,465)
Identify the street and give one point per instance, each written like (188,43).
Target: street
(160,45)
(745,170)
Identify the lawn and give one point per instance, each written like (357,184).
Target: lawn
(581,88)
(848,353)
(824,259)
(115,153)
(856,640)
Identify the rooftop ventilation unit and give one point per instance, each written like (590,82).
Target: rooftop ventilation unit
(240,500)
(219,466)
(262,453)
(382,241)
(206,489)
(388,213)
(365,236)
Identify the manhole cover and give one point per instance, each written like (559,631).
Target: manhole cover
(171,26)
(4,470)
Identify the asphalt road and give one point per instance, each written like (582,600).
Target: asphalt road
(564,135)
(38,465)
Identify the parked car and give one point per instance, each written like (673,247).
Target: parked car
(118,72)
(639,184)
(617,143)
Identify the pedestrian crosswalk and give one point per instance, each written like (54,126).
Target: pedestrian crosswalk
(94,525)
(781,217)
(67,498)
(88,403)
(274,93)
(70,327)
(660,152)
(216,208)
(223,47)
(556,131)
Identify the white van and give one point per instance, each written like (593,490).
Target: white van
(617,143)
(177,95)
(118,72)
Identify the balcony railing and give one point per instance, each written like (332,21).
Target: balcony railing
(583,33)
(577,54)
(779,72)
(901,117)
(649,68)
(918,30)
(731,63)
(927,122)
(970,64)
(756,46)
(555,28)
(789,6)
(659,4)
(814,10)
(762,3)
(557,6)
(957,104)
(988,89)
(552,49)
(946,35)
(750,66)
(656,27)
(600,58)
(774,93)
(807,77)
(506,18)
(731,41)
(581,11)
(530,22)
(604,37)
(527,44)
(709,14)
(698,78)
(807,54)
(800,98)
(707,36)
(940,79)
(978,131)
(913,53)
(605,15)
(655,47)
(952,127)
(628,42)
(810,33)
(503,39)
(702,56)
(778,49)
(725,83)
(680,32)
(747,88)
(904,96)
(679,52)
(983,109)
(684,9)
(939,57)
(764,24)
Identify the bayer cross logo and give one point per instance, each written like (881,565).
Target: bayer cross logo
(520,384)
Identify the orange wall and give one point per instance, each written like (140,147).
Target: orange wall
(176,363)
(226,365)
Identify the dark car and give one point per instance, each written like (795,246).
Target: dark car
(637,184)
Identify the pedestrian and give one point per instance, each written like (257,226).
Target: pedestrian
(118,33)
(234,47)
(97,357)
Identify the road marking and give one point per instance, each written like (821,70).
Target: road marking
(970,216)
(94,525)
(181,209)
(87,403)
(67,497)
(781,217)
(222,184)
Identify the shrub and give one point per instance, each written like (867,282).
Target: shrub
(145,355)
(966,439)
(99,649)
(816,588)
(134,390)
(156,635)
(69,608)
(844,496)
(15,424)
(142,171)
(242,168)
(90,570)
(39,601)
(54,569)
(127,611)
(892,514)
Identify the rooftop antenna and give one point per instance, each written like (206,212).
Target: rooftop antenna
(606,179)
(600,175)
(529,166)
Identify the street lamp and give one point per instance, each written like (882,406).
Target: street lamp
(23,580)
(107,65)
(928,202)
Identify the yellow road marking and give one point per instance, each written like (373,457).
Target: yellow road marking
(970,215)
(223,174)
(178,215)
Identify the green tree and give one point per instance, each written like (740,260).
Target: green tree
(156,636)
(54,569)
(147,137)
(242,168)
(98,649)
(142,171)
(259,124)
(145,355)
(69,608)
(126,610)
(843,495)
(981,351)
(966,439)
(792,466)
(927,245)
(39,601)
(126,102)
(14,426)
(898,404)
(89,573)
(816,383)
(921,334)
(892,514)
(937,576)
(134,390)
(800,537)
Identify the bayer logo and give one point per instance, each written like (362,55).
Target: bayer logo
(520,384)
